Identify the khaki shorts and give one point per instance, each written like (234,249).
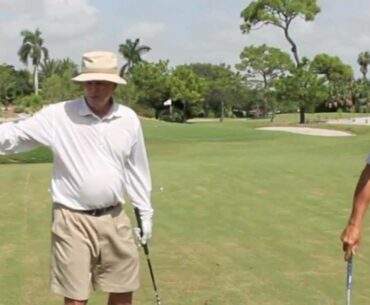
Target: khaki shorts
(97,251)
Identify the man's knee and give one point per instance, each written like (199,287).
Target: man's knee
(120,298)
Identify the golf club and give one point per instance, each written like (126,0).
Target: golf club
(349,280)
(146,251)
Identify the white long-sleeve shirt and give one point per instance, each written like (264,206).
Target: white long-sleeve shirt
(97,161)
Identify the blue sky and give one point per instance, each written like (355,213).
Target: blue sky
(180,31)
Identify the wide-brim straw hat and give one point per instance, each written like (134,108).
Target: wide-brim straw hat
(99,66)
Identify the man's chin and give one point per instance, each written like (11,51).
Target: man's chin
(93,97)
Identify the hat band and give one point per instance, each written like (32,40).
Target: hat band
(109,71)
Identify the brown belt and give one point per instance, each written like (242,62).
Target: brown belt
(98,212)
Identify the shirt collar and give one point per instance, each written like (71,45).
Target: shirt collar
(114,111)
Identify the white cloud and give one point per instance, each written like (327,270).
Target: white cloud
(65,24)
(336,31)
(20,6)
(183,32)
(143,30)
(67,19)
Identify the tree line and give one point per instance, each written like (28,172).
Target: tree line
(266,81)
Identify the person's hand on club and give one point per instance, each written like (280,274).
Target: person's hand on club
(351,238)
(144,233)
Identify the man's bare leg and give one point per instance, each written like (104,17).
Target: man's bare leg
(120,298)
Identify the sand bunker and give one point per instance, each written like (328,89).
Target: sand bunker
(310,131)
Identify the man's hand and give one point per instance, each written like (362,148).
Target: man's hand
(145,233)
(351,238)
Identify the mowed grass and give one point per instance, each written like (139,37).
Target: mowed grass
(242,217)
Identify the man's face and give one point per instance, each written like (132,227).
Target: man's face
(98,91)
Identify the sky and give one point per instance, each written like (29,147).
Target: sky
(202,31)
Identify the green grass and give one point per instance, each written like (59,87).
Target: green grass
(245,217)
(39,155)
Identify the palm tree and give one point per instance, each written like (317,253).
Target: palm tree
(363,60)
(32,47)
(50,67)
(67,64)
(131,52)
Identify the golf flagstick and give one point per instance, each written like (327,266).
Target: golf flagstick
(349,279)
(146,252)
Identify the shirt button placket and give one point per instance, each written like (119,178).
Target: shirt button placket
(100,129)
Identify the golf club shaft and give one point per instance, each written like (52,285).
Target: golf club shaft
(349,279)
(146,252)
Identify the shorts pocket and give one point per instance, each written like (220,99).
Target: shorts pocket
(59,226)
(123,227)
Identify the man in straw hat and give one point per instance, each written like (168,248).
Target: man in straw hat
(99,157)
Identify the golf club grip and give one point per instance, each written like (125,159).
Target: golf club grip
(138,220)
(349,280)
(349,273)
